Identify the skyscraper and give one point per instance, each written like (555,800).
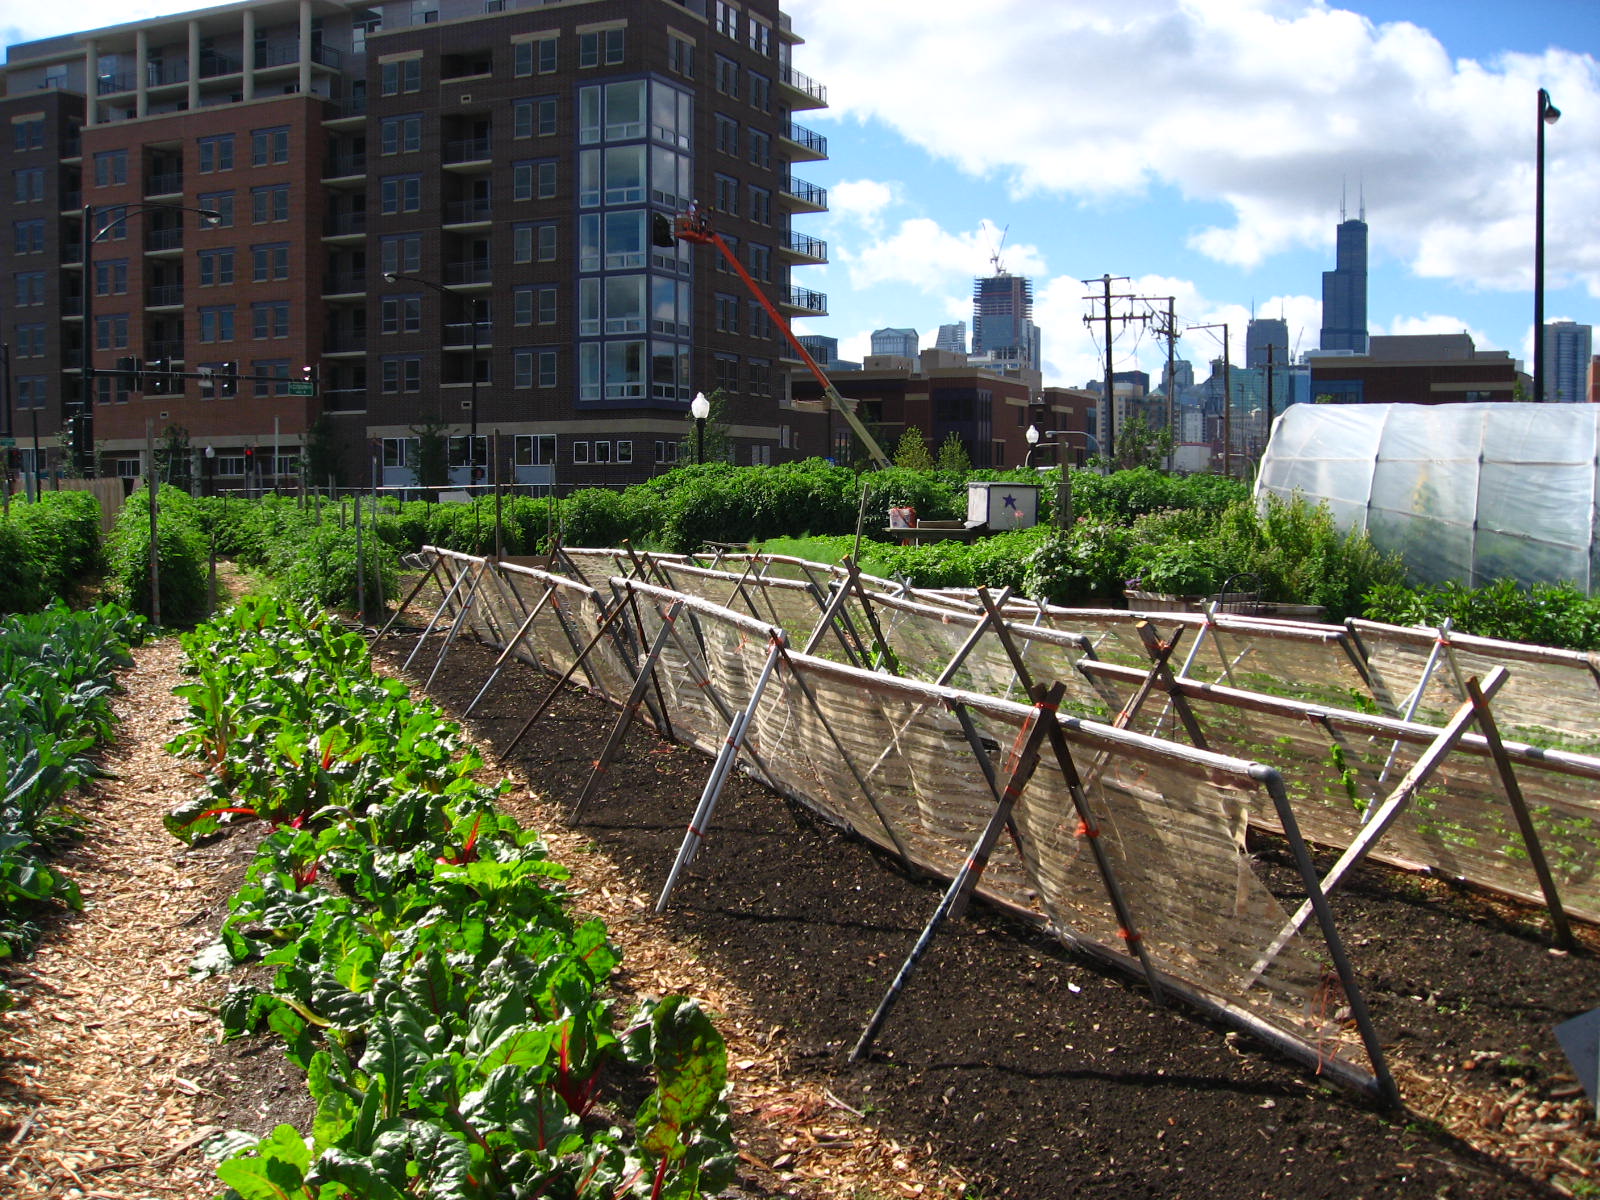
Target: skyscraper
(1567,352)
(1261,333)
(423,211)
(1002,321)
(1344,290)
(953,338)
(899,342)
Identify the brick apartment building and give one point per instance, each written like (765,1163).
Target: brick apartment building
(504,159)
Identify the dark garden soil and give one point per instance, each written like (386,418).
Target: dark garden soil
(1027,1071)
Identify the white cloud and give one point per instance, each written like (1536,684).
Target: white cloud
(861,201)
(1266,107)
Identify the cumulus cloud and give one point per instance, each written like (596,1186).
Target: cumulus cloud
(1267,107)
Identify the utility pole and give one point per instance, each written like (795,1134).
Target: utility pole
(1227,407)
(1270,367)
(1172,379)
(1108,438)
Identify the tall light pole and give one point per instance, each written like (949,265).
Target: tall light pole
(1549,114)
(700,409)
(90,235)
(472,399)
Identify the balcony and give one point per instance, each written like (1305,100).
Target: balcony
(344,283)
(468,212)
(164,239)
(346,224)
(213,65)
(804,92)
(169,351)
(458,335)
(471,271)
(805,197)
(341,166)
(347,399)
(287,54)
(109,85)
(804,145)
(797,247)
(466,150)
(160,74)
(347,342)
(164,183)
(71,202)
(803,302)
(164,295)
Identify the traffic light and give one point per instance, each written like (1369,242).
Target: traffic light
(157,381)
(249,460)
(308,374)
(128,372)
(227,376)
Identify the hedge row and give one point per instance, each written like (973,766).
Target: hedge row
(47,547)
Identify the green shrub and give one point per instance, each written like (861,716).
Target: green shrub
(1086,562)
(320,568)
(182,556)
(46,546)
(1546,614)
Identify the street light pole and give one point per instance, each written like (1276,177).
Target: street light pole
(85,448)
(1549,114)
(700,409)
(474,302)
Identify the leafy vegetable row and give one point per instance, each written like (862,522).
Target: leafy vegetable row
(420,960)
(57,674)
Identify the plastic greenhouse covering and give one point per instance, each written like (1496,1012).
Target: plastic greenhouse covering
(1467,492)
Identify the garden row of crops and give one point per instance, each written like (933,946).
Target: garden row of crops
(416,952)
(57,674)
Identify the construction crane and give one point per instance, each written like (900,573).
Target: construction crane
(994,259)
(694,226)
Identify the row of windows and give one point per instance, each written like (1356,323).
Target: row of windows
(758,34)
(28,185)
(268,262)
(758,144)
(535,56)
(726,309)
(725,198)
(531,450)
(757,87)
(268,147)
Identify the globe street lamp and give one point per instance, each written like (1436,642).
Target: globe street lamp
(1033,444)
(116,215)
(1549,114)
(700,409)
(472,400)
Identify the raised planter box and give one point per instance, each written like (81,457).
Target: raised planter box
(1243,604)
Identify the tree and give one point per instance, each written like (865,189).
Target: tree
(1138,445)
(430,461)
(321,458)
(953,456)
(174,461)
(911,452)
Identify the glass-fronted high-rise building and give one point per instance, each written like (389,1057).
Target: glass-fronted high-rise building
(1344,291)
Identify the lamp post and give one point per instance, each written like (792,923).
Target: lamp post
(472,399)
(1033,444)
(90,235)
(700,409)
(1549,114)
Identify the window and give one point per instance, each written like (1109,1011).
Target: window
(28,135)
(547,306)
(396,78)
(110,168)
(401,255)
(534,118)
(530,243)
(760,92)
(727,195)
(400,135)
(680,55)
(267,262)
(760,377)
(534,449)
(216,323)
(269,147)
(760,148)
(580,452)
(760,34)
(400,194)
(625,241)
(397,452)
(216,153)
(669,306)
(111,332)
(269,204)
(113,224)
(624,167)
(401,375)
(726,19)
(727,76)
(400,314)
(602,46)
(216,267)
(269,319)
(29,236)
(530,305)
(760,324)
(28,185)
(111,278)
(533,368)
(602,452)
(727,310)
(760,205)
(32,393)
(107,388)
(535,56)
(625,452)
(30,341)
(534,180)
(667,452)
(725,372)
(759,260)
(727,134)
(220,203)
(30,288)
(624,303)
(271,379)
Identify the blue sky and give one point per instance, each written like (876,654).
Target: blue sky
(1199,147)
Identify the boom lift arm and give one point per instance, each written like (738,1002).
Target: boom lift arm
(695,227)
